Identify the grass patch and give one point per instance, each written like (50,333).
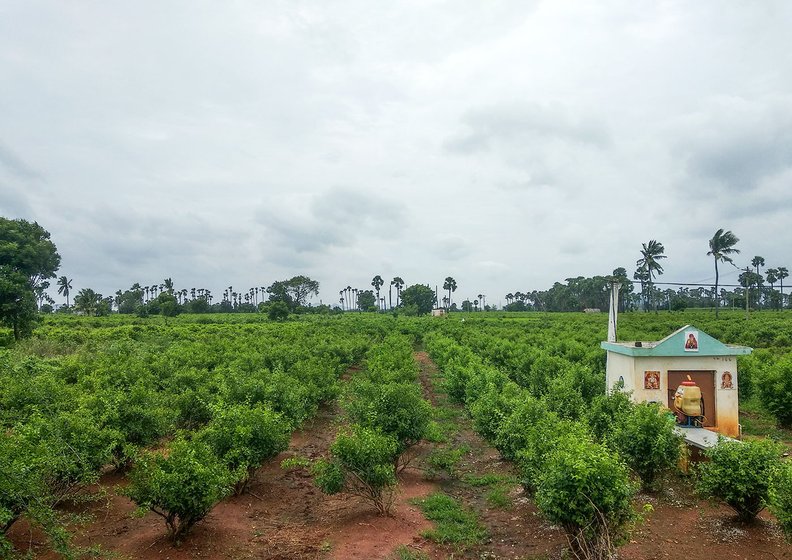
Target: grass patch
(445,460)
(498,498)
(453,523)
(404,553)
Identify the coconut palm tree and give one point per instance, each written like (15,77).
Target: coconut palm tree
(64,288)
(651,253)
(450,285)
(721,246)
(377,282)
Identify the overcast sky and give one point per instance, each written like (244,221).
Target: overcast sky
(506,144)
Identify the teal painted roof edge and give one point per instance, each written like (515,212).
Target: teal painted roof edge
(619,348)
(674,345)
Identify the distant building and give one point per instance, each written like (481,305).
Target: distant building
(438,312)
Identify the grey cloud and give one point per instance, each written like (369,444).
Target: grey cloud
(335,218)
(15,165)
(13,203)
(486,128)
(451,248)
(736,144)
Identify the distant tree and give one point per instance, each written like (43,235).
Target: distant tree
(277,310)
(64,288)
(88,301)
(771,275)
(450,285)
(420,297)
(377,282)
(398,283)
(27,258)
(651,253)
(366,301)
(295,291)
(467,306)
(168,285)
(757,262)
(782,273)
(620,275)
(721,246)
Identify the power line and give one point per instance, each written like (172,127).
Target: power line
(689,284)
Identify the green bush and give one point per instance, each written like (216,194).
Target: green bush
(182,487)
(538,441)
(244,437)
(606,411)
(395,409)
(361,464)
(739,474)
(586,489)
(781,498)
(775,390)
(644,437)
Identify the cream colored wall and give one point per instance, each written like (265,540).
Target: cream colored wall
(726,405)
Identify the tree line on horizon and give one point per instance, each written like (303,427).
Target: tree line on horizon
(29,259)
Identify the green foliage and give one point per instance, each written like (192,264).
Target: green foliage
(419,297)
(739,474)
(586,489)
(244,437)
(781,498)
(453,523)
(182,487)
(445,460)
(277,310)
(606,412)
(775,391)
(645,439)
(395,409)
(362,464)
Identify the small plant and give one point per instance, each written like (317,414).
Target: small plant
(644,437)
(587,490)
(453,523)
(781,498)
(739,474)
(182,487)
(244,437)
(362,464)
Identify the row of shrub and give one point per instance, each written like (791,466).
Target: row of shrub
(549,413)
(227,396)
(387,416)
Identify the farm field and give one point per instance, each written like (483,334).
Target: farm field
(96,412)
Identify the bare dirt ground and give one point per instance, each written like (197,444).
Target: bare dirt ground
(286,517)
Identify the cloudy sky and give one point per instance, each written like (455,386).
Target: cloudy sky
(507,144)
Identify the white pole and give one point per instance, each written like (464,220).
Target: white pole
(613,312)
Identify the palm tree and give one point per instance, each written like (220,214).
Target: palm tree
(450,285)
(377,282)
(168,285)
(721,246)
(782,273)
(87,301)
(64,288)
(756,262)
(771,274)
(651,253)
(398,283)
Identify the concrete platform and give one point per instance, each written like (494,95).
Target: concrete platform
(700,437)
